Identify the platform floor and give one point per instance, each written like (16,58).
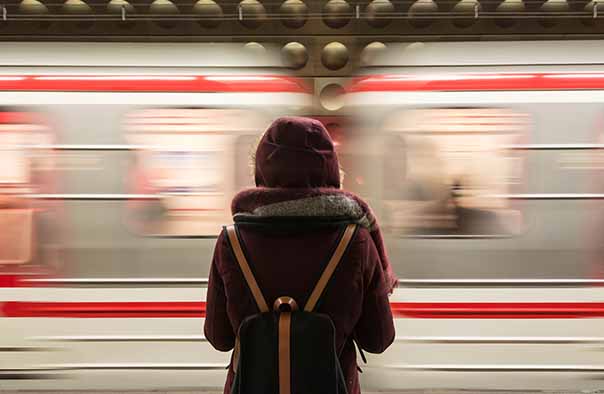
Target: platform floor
(439,391)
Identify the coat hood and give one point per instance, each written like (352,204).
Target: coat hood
(296,152)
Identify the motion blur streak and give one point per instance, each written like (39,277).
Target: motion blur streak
(150,83)
(477,82)
(483,162)
(442,310)
(103,309)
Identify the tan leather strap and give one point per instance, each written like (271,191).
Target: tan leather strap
(285,304)
(330,268)
(236,350)
(245,269)
(284,353)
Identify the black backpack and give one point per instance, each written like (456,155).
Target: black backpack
(286,350)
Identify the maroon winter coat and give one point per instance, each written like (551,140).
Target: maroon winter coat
(298,181)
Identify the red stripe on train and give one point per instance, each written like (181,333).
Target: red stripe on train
(103,309)
(8,117)
(478,82)
(153,83)
(449,310)
(22,279)
(499,310)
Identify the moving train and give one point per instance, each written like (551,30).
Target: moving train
(481,160)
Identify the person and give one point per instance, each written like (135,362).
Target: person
(471,218)
(298,194)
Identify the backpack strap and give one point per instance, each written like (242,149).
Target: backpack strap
(245,269)
(330,268)
(284,357)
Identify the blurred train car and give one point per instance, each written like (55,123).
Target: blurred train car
(145,145)
(474,143)
(482,161)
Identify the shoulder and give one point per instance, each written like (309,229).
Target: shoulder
(222,252)
(363,248)
(362,235)
(222,241)
(361,244)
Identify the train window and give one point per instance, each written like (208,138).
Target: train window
(13,162)
(183,164)
(185,171)
(447,171)
(16,243)
(24,170)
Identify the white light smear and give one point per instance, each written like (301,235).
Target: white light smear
(109,294)
(398,98)
(116,78)
(22,127)
(580,75)
(175,118)
(192,128)
(11,78)
(227,100)
(450,77)
(242,78)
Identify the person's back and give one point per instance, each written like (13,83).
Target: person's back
(289,228)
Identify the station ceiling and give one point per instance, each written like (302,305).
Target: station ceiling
(328,38)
